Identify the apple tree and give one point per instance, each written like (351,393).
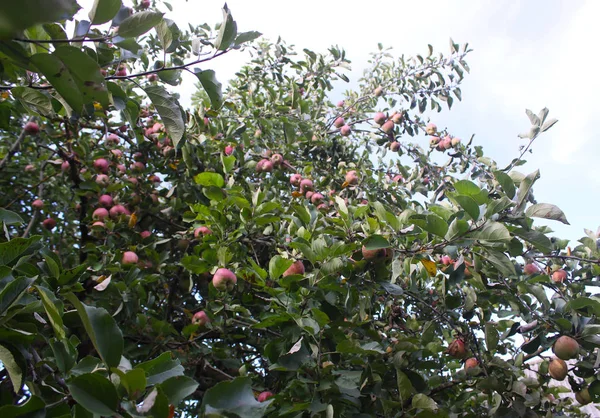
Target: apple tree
(265,251)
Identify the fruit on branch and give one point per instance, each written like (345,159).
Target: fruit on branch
(446,260)
(340,103)
(430,129)
(559,276)
(565,348)
(29,168)
(257,133)
(434,141)
(202,230)
(117,153)
(308,194)
(264,166)
(377,254)
(144,4)
(339,122)
(345,130)
(145,234)
(396,118)
(470,363)
(397,178)
(263,396)
(351,177)
(446,143)
(558,369)
(129,257)
(378,92)
(296,268)
(101,165)
(388,127)
(112,139)
(121,71)
(317,198)
(49,223)
(229,150)
(295,179)
(457,348)
(102,180)
(138,166)
(37,204)
(583,397)
(100,214)
(379,118)
(118,210)
(277,160)
(455,141)
(395,146)
(224,279)
(200,318)
(530,269)
(152,77)
(306,185)
(65,166)
(31,128)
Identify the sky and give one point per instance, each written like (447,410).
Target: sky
(527,54)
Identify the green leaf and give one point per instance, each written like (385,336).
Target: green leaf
(421,401)
(52,312)
(491,336)
(139,23)
(102,330)
(10,218)
(233,398)
(20,15)
(134,382)
(501,262)
(207,179)
(524,188)
(95,393)
(278,265)
(161,368)
(169,34)
(178,388)
(466,188)
(169,110)
(244,37)
(61,79)
(227,31)
(469,205)
(14,371)
(13,291)
(15,247)
(34,407)
(405,387)
(539,240)
(33,100)
(211,85)
(376,242)
(583,304)
(508,185)
(546,211)
(492,232)
(457,227)
(104,10)
(436,225)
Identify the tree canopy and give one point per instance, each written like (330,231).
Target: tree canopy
(267,252)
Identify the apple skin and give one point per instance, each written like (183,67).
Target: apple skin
(397,118)
(434,141)
(470,363)
(29,168)
(112,139)
(277,160)
(339,122)
(118,210)
(351,177)
(565,348)
(388,127)
(296,268)
(558,369)
(49,223)
(202,230)
(345,130)
(200,318)
(430,129)
(295,179)
(379,118)
(263,396)
(559,276)
(309,194)
(229,150)
(101,165)
(455,141)
(102,180)
(224,279)
(65,166)
(457,349)
(306,185)
(37,204)
(378,92)
(395,146)
(152,77)
(129,257)
(317,198)
(530,269)
(100,214)
(264,166)
(31,128)
(144,4)
(371,255)
(145,234)
(397,178)
(446,260)
(117,153)
(583,397)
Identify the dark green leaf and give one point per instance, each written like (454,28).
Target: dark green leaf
(20,15)
(178,388)
(95,393)
(211,85)
(33,100)
(10,218)
(169,110)
(376,242)
(244,37)
(104,10)
(492,232)
(14,371)
(547,211)
(13,291)
(508,185)
(227,31)
(139,23)
(234,398)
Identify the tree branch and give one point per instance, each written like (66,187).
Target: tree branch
(14,146)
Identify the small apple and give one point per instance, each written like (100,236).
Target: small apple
(224,279)
(295,179)
(117,153)
(144,4)
(49,223)
(583,397)
(351,177)
(31,128)
(29,168)
(316,198)
(455,141)
(305,185)
(37,204)
(446,143)
(395,146)
(340,103)
(446,260)
(309,194)
(202,230)
(277,160)
(559,276)
(121,71)
(152,77)
(378,92)
(65,166)
(118,210)
(138,166)
(229,150)
(430,129)
(558,369)
(470,363)
(101,165)
(397,178)
(397,118)
(200,318)
(434,141)
(379,118)
(102,180)
(339,122)
(530,269)
(100,214)
(296,268)
(129,257)
(457,348)
(263,396)
(145,234)
(345,130)
(112,139)
(565,348)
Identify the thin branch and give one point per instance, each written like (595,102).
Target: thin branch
(60,41)
(14,146)
(567,257)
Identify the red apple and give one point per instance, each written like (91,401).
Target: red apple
(470,363)
(29,168)
(351,177)
(565,348)
(37,204)
(345,130)
(202,230)
(101,165)
(129,257)
(395,146)
(200,318)
(100,214)
(145,234)
(306,185)
(339,122)
(224,279)
(559,276)
(112,139)
(457,348)
(229,150)
(31,128)
(295,179)
(152,77)
(277,160)
(118,210)
(263,396)
(65,166)
(117,153)
(49,223)
(379,118)
(316,198)
(530,269)
(102,180)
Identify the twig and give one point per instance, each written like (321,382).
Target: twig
(567,257)
(14,146)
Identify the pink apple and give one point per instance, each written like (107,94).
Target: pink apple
(29,168)
(112,139)
(351,177)
(100,214)
(102,180)
(379,118)
(31,128)
(316,198)
(152,77)
(229,150)
(397,178)
(144,4)
(397,118)
(202,230)
(531,269)
(129,257)
(430,129)
(308,194)
(105,200)
(98,224)
(65,166)
(101,165)
(277,160)
(117,153)
(455,141)
(395,146)
(49,223)
(446,260)
(388,127)
(37,204)
(559,276)
(305,185)
(339,122)
(295,179)
(200,318)
(224,279)
(263,396)
(118,210)
(121,71)
(340,103)
(145,234)
(345,130)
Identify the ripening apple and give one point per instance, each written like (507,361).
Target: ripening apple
(118,210)
(129,257)
(397,118)
(49,223)
(295,179)
(117,153)
(323,206)
(277,160)
(200,318)
(345,130)
(395,146)
(37,204)
(565,348)
(309,194)
(530,269)
(29,168)
(112,139)
(145,234)
(229,150)
(397,178)
(558,369)
(202,230)
(317,198)
(263,396)
(100,214)
(305,185)
(379,118)
(144,4)
(457,348)
(583,397)
(446,260)
(102,180)
(65,166)
(378,92)
(98,225)
(434,141)
(559,276)
(340,103)
(470,363)
(296,268)
(224,279)
(455,142)
(101,165)
(257,133)
(121,71)
(351,177)
(31,128)
(446,142)
(388,127)
(152,77)
(339,122)
(430,129)
(370,255)
(138,166)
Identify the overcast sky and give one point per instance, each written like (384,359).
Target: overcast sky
(527,54)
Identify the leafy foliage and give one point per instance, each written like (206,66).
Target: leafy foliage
(267,252)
